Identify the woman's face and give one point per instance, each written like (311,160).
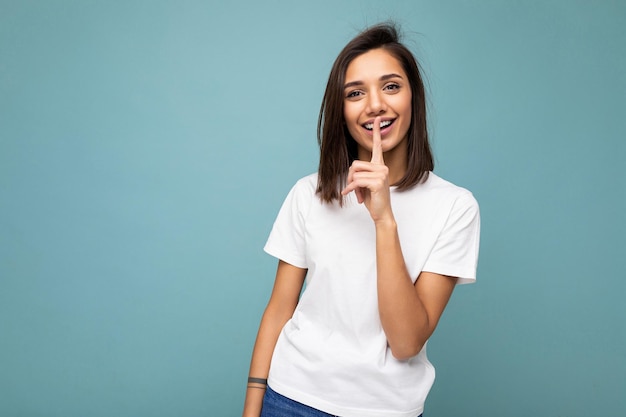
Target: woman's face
(376,85)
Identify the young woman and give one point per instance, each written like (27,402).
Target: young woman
(381,242)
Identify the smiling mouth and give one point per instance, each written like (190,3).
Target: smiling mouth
(383,124)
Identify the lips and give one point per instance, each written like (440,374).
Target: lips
(383,124)
(386,126)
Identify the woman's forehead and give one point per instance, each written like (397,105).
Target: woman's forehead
(373,64)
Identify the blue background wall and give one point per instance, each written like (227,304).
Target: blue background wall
(146,146)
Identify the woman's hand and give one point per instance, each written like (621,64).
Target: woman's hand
(370,180)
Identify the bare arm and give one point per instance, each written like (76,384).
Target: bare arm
(409,312)
(280,308)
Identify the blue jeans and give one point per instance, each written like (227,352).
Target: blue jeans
(276,405)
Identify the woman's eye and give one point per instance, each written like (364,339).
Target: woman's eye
(353,94)
(392,87)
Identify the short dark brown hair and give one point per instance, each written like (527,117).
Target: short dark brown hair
(337,148)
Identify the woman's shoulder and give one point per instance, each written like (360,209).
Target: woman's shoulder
(435,185)
(435,182)
(308,181)
(304,188)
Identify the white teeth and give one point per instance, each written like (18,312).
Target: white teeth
(383,124)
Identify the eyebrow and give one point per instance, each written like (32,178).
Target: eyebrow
(383,78)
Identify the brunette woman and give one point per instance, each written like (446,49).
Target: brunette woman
(379,239)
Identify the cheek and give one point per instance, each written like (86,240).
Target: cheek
(403,103)
(408,103)
(349,114)
(406,110)
(353,130)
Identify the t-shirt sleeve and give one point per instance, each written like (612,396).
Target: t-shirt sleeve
(455,252)
(287,240)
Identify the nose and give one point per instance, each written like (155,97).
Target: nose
(376,103)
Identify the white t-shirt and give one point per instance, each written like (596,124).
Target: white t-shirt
(333,354)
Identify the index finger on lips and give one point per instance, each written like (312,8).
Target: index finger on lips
(377,145)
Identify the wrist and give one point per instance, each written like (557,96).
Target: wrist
(386,223)
(253,380)
(257,383)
